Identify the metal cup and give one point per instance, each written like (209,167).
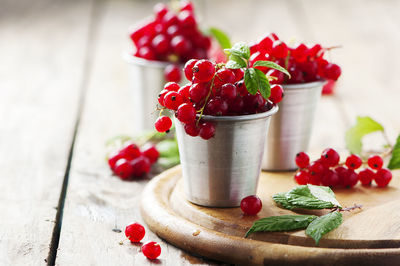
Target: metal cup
(220,171)
(291,128)
(147,80)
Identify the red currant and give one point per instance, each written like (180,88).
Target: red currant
(276,94)
(315,179)
(302,177)
(332,71)
(279,49)
(330,157)
(146,53)
(316,168)
(188,69)
(350,178)
(161,97)
(330,178)
(223,76)
(160,44)
(180,45)
(123,169)
(366,176)
(265,44)
(341,172)
(302,160)
(228,91)
(184,92)
(173,100)
(299,53)
(141,166)
(207,130)
(192,129)
(112,160)
(375,162)
(203,70)
(130,152)
(383,177)
(151,152)
(172,73)
(198,92)
(163,124)
(217,107)
(171,86)
(151,250)
(251,205)
(135,232)
(186,113)
(353,162)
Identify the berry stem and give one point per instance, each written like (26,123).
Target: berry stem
(201,111)
(348,209)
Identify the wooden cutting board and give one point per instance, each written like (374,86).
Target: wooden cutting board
(370,236)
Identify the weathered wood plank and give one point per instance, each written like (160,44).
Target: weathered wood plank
(42,51)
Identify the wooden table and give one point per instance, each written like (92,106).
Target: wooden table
(64,91)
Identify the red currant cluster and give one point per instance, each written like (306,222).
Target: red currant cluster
(214,90)
(135,232)
(131,161)
(329,172)
(171,36)
(305,64)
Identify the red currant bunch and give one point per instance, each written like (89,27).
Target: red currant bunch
(132,162)
(327,170)
(171,36)
(304,63)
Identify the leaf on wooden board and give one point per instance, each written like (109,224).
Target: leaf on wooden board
(323,225)
(394,162)
(301,197)
(281,200)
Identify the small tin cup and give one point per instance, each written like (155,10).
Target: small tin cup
(219,172)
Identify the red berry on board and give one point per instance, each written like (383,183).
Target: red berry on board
(186,113)
(171,86)
(135,232)
(316,168)
(341,172)
(192,129)
(265,44)
(375,162)
(207,130)
(330,157)
(188,69)
(141,166)
(353,162)
(366,176)
(315,179)
(276,94)
(302,177)
(383,177)
(151,250)
(131,151)
(330,178)
(163,124)
(173,100)
(251,205)
(203,70)
(172,73)
(123,169)
(151,152)
(302,160)
(350,178)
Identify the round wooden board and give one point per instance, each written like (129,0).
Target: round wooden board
(370,236)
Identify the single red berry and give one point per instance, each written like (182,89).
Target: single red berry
(251,205)
(163,124)
(186,113)
(130,152)
(316,168)
(161,97)
(265,44)
(315,179)
(204,70)
(199,91)
(279,49)
(186,5)
(353,162)
(330,178)
(123,169)
(366,176)
(216,106)
(279,77)
(207,130)
(223,76)
(171,86)
(299,52)
(316,50)
(330,157)
(170,19)
(228,91)
(188,69)
(375,162)
(151,152)
(184,92)
(187,19)
(341,172)
(239,74)
(332,71)
(151,250)
(135,232)
(192,129)
(141,166)
(302,160)
(173,100)
(276,94)
(383,177)
(160,44)
(160,10)
(253,102)
(236,106)
(180,45)
(350,178)
(302,177)
(146,53)
(112,160)
(172,73)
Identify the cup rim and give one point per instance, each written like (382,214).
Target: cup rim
(304,86)
(233,118)
(131,59)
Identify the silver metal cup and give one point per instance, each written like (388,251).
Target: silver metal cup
(220,171)
(291,128)
(147,80)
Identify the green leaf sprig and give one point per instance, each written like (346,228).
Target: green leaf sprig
(254,79)
(304,197)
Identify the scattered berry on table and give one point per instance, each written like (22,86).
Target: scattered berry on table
(353,162)
(383,177)
(251,205)
(151,250)
(302,160)
(366,176)
(135,232)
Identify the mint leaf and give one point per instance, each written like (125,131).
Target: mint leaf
(394,162)
(301,197)
(281,199)
(323,225)
(221,37)
(168,148)
(240,49)
(263,84)
(235,62)
(281,223)
(271,65)
(255,80)
(364,126)
(324,193)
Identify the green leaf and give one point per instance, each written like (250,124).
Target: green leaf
(394,162)
(271,65)
(323,225)
(324,193)
(256,80)
(168,148)
(168,162)
(281,223)
(281,199)
(240,49)
(221,37)
(235,62)
(301,197)
(263,84)
(364,126)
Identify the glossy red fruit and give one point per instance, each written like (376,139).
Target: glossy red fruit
(173,100)
(171,86)
(236,106)
(366,176)
(353,162)
(252,102)
(163,124)
(239,74)
(186,5)
(223,76)
(316,168)
(204,70)
(330,157)
(341,172)
(188,69)
(251,205)
(375,162)
(316,50)
(151,152)
(332,71)
(146,53)
(350,178)
(131,151)
(207,130)
(180,45)
(186,113)
(330,178)
(160,44)
(192,129)
(315,179)
(172,73)
(302,177)
(151,250)
(279,49)
(135,232)
(217,107)
(299,52)
(187,19)
(161,97)
(228,91)
(382,177)
(279,76)
(184,91)
(112,160)
(199,91)
(160,10)
(276,94)
(302,160)
(141,166)
(123,169)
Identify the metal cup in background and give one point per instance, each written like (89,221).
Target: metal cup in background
(290,129)
(147,80)
(219,172)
